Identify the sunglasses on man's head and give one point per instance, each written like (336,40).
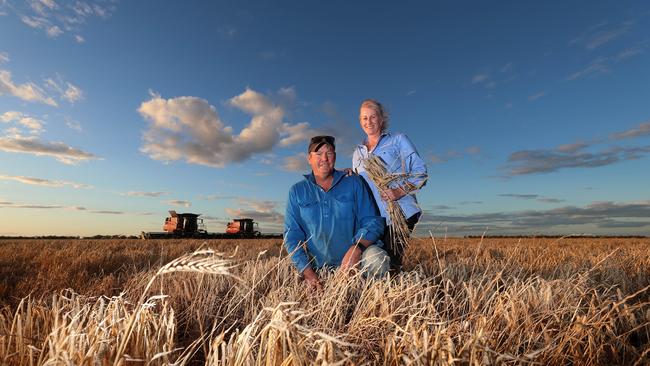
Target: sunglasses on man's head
(328,139)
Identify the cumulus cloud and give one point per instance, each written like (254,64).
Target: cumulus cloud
(145,194)
(182,203)
(32,145)
(190,129)
(260,211)
(296,163)
(44,182)
(29,91)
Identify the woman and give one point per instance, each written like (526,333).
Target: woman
(399,156)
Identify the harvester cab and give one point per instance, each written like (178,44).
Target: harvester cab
(245,228)
(184,223)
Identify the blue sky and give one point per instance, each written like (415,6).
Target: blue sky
(532,117)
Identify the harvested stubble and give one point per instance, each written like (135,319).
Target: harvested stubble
(485,303)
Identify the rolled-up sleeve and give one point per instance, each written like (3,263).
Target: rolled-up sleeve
(294,235)
(370,225)
(413,163)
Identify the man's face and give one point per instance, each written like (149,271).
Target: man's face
(322,160)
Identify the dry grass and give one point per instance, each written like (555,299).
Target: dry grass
(463,301)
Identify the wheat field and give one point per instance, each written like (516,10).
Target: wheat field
(239,302)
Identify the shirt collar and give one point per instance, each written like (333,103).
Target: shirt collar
(381,137)
(338,175)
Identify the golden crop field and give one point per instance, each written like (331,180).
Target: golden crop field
(460,301)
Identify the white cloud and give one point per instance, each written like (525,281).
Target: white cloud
(179,203)
(53,31)
(479,78)
(32,145)
(4,57)
(601,38)
(597,67)
(45,182)
(642,130)
(33,124)
(536,96)
(189,128)
(55,19)
(297,133)
(599,35)
(28,91)
(144,194)
(65,89)
(261,211)
(72,124)
(79,38)
(296,163)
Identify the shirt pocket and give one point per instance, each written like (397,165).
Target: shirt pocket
(390,155)
(344,206)
(308,208)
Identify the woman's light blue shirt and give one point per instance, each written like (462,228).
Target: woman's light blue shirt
(400,156)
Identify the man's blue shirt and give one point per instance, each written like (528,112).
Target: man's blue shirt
(399,155)
(329,222)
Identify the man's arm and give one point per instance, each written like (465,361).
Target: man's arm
(370,225)
(294,235)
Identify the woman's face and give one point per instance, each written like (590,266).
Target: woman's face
(370,120)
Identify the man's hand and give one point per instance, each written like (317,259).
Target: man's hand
(312,279)
(351,258)
(348,171)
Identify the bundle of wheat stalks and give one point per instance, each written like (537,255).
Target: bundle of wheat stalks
(383,179)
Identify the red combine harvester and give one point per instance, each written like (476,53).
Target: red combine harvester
(189,225)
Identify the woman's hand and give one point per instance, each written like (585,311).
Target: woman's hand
(348,172)
(392,194)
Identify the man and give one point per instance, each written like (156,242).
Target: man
(332,220)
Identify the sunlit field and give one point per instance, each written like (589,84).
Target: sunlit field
(239,302)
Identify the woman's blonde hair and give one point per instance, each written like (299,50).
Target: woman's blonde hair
(381,110)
